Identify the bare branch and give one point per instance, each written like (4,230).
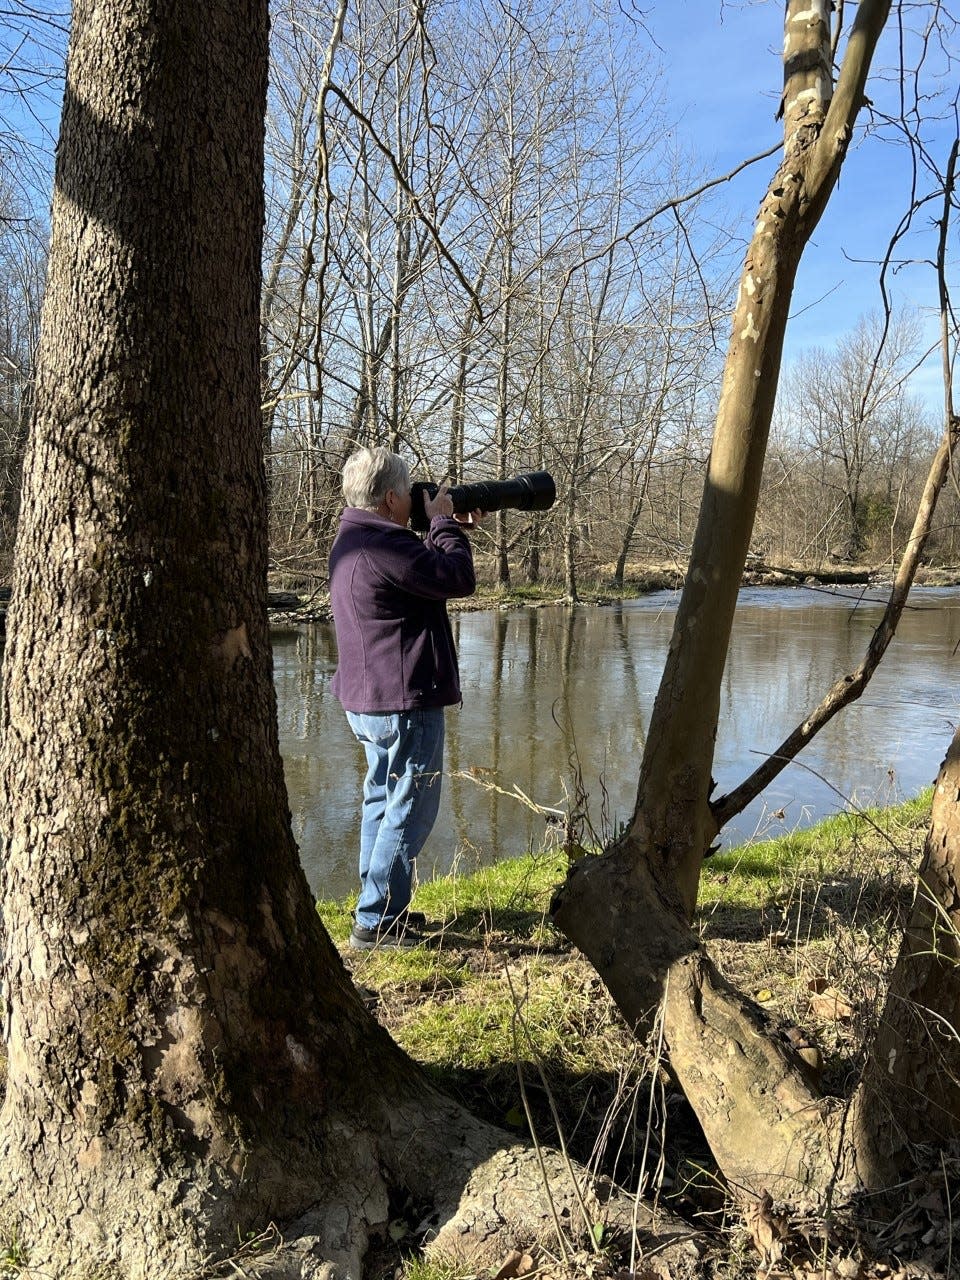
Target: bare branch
(408,190)
(849,687)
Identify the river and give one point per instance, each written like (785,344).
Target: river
(556,701)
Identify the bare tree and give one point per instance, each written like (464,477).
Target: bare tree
(852,411)
(629,909)
(478,173)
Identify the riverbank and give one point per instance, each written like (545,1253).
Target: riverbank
(293,606)
(289,608)
(502,1013)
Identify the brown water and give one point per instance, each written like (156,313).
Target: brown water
(556,703)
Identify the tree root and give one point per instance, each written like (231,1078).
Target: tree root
(487,1195)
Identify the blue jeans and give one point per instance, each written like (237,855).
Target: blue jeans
(401,799)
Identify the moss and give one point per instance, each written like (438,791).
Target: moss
(167,817)
(132,885)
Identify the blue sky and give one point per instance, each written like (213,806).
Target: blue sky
(723,79)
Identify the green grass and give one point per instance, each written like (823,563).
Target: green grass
(495,984)
(535,1012)
(749,876)
(512,896)
(538,593)
(502,988)
(421,974)
(419,1268)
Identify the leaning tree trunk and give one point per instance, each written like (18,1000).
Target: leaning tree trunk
(629,909)
(910,1093)
(187,1059)
(910,1090)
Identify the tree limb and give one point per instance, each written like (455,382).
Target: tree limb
(849,687)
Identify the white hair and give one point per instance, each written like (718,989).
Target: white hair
(369,473)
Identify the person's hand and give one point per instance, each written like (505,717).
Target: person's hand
(469,518)
(441,505)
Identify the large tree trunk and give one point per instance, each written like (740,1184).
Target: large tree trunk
(628,910)
(157,925)
(187,1057)
(910,1092)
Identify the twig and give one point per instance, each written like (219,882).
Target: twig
(515,793)
(561,1239)
(538,1059)
(658,1057)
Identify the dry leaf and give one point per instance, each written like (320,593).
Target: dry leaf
(767,1228)
(828,1002)
(515,1264)
(847,1269)
(804,1047)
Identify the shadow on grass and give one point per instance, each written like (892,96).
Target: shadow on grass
(811,910)
(510,930)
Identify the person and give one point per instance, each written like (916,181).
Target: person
(397,670)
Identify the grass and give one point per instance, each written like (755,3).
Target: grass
(512,896)
(807,923)
(13,1257)
(499,982)
(746,878)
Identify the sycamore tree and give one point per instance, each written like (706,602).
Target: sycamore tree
(630,909)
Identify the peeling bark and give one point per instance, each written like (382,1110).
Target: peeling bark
(628,910)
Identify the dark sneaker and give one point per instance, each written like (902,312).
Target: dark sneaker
(397,934)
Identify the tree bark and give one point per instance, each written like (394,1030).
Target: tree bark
(628,909)
(910,1090)
(187,1058)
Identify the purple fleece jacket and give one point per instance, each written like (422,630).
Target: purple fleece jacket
(388,591)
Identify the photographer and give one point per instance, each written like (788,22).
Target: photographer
(397,671)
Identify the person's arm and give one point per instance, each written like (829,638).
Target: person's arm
(438,568)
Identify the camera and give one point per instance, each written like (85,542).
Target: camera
(534,491)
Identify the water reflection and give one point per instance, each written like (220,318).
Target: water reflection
(556,693)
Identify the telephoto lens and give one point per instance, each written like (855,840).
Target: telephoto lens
(534,491)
